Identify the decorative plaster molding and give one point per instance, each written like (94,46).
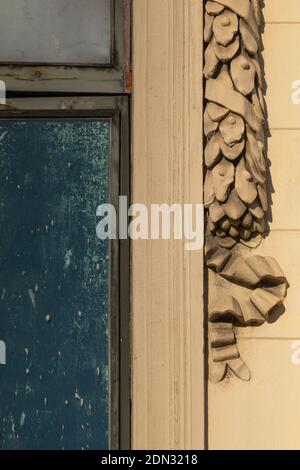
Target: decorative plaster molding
(235,191)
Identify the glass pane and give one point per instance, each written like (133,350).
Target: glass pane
(54,285)
(57,31)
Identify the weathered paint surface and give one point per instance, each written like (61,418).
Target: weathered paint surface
(54,284)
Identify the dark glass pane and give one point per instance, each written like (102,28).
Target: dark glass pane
(58,31)
(54,284)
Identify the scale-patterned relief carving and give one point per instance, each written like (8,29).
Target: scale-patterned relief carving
(246,287)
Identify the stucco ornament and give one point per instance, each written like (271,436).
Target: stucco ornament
(247,287)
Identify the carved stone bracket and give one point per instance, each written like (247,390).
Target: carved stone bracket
(235,192)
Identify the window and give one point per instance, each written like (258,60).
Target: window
(68,46)
(66,32)
(64,294)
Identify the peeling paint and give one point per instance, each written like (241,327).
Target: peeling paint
(54,285)
(3,294)
(22,419)
(32,297)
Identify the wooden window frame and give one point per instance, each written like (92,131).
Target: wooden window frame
(58,91)
(116,109)
(84,78)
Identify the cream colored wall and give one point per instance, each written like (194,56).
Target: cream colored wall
(265,413)
(167,281)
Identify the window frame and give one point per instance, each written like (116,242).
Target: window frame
(117,110)
(84,78)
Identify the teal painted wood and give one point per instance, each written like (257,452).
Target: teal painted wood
(54,284)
